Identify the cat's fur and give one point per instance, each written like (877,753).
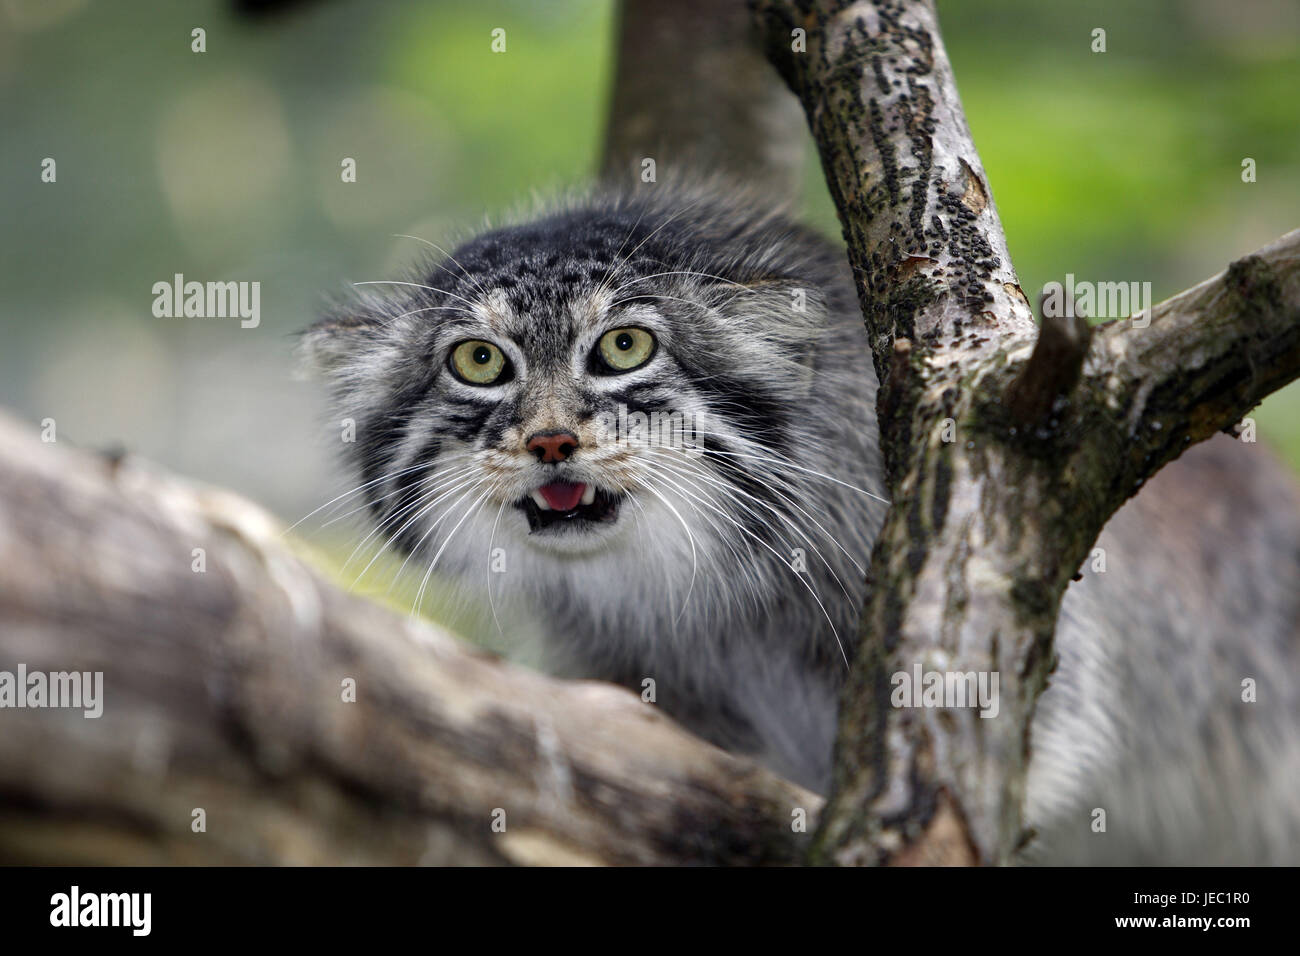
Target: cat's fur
(733,579)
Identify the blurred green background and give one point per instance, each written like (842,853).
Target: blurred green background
(225,165)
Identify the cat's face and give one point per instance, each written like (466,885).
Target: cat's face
(591,387)
(522,414)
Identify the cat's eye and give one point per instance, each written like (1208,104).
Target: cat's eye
(622,350)
(477,362)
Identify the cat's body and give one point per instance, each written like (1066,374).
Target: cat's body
(724,562)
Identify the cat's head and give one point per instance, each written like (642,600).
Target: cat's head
(623,378)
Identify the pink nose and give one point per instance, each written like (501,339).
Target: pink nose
(552,446)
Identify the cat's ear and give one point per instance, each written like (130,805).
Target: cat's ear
(333,342)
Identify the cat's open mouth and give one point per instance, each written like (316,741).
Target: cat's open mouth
(568,504)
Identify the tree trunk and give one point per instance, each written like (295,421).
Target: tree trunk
(693,92)
(1006,451)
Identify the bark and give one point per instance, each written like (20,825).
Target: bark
(1006,451)
(693,91)
(223,690)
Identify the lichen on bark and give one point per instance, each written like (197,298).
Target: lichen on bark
(1049,436)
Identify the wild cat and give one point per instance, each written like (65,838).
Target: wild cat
(505,396)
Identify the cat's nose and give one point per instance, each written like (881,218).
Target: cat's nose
(552,446)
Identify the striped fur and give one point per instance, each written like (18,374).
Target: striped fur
(732,579)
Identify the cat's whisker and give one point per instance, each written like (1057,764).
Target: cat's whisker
(419,594)
(347,514)
(615,263)
(640,529)
(786,463)
(694,555)
(428,487)
(811,590)
(431,308)
(422,481)
(722,535)
(749,581)
(794,527)
(422,505)
(491,601)
(348,494)
(687,461)
(416,285)
(465,272)
(679,272)
(433,526)
(679,487)
(682,211)
(676,298)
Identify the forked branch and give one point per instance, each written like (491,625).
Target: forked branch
(1006,452)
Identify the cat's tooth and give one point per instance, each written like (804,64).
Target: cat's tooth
(539,500)
(589,494)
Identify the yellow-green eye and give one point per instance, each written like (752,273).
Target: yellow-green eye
(625,349)
(478,362)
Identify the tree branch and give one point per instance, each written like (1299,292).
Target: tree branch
(1209,355)
(1002,470)
(1052,370)
(223,690)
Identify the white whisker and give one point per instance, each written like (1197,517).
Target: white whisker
(465,272)
(349,494)
(811,590)
(784,517)
(491,538)
(419,594)
(786,463)
(416,285)
(694,558)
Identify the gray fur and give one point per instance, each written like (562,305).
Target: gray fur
(1144,716)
